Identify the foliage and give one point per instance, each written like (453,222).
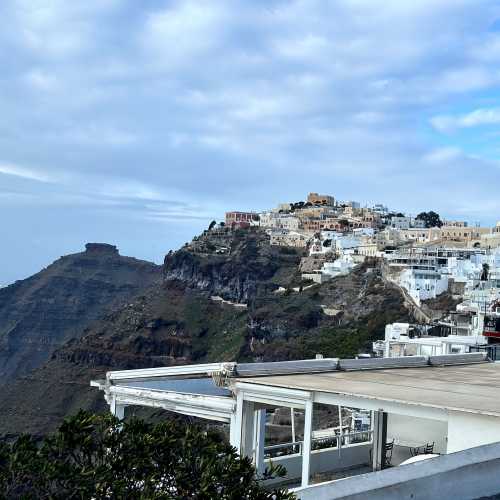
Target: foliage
(212,225)
(99,457)
(485,272)
(431,219)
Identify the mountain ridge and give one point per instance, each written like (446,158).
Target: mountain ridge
(38,314)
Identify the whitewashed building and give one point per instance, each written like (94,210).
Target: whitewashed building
(435,407)
(422,284)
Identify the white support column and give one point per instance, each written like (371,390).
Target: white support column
(237,423)
(292,420)
(306,447)
(247,429)
(117,410)
(340,428)
(379,439)
(232,430)
(387,349)
(260,437)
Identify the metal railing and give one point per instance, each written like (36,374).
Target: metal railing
(322,443)
(493,351)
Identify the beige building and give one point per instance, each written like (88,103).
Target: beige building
(367,249)
(455,223)
(463,233)
(313,212)
(321,199)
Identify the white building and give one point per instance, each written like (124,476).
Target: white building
(340,267)
(347,242)
(364,231)
(422,284)
(284,237)
(406,223)
(438,404)
(279,221)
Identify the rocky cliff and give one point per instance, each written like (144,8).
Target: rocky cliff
(41,313)
(266,315)
(236,265)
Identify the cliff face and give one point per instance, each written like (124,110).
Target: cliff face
(236,265)
(178,321)
(39,314)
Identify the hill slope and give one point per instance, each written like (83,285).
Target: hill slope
(39,314)
(178,321)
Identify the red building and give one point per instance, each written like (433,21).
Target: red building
(240,219)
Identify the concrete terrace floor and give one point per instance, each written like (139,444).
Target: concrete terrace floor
(340,474)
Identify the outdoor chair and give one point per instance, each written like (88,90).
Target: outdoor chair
(429,448)
(389,447)
(422,450)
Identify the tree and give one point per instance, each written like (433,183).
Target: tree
(99,457)
(212,225)
(485,272)
(431,219)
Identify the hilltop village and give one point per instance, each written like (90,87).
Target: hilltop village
(448,262)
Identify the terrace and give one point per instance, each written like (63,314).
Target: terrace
(328,419)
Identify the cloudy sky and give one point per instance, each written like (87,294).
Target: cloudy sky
(138,122)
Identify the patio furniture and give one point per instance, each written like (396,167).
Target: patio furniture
(427,449)
(388,448)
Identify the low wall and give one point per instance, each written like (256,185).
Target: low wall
(468,474)
(327,460)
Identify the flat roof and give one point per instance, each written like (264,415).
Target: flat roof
(472,388)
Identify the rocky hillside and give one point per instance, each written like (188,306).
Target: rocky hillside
(183,319)
(41,313)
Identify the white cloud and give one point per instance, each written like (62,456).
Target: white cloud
(41,81)
(242,104)
(187,28)
(443,155)
(25,173)
(478,117)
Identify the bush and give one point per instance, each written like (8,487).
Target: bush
(99,457)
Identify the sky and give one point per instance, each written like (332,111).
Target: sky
(138,122)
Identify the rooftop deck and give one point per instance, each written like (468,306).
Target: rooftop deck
(465,388)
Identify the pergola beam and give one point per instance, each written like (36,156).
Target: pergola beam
(375,404)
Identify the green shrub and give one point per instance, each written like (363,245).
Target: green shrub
(99,457)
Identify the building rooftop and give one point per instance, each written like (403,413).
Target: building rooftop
(466,388)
